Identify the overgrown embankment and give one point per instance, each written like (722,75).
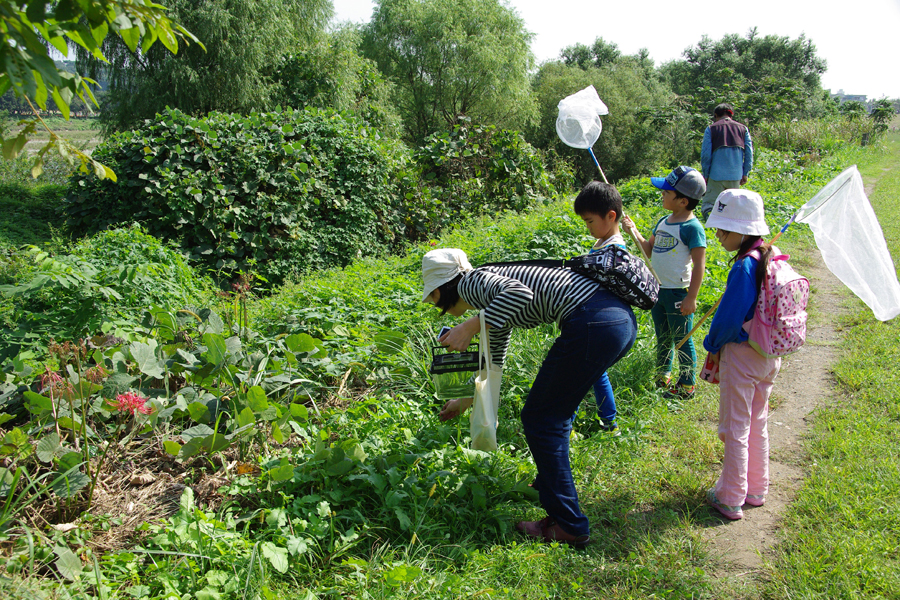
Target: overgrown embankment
(304,429)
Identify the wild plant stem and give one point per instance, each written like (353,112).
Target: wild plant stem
(96,476)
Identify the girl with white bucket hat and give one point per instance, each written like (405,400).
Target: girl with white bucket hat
(745,376)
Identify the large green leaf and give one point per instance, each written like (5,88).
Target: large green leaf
(117,383)
(276,555)
(245,417)
(199,412)
(68,564)
(48,447)
(300,342)
(197,431)
(299,412)
(256,399)
(216,349)
(145,357)
(67,485)
(37,404)
(390,342)
(282,472)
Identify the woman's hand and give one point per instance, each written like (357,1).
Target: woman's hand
(459,338)
(714,357)
(454,408)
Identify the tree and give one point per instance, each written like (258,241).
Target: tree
(599,54)
(781,75)
(30,28)
(332,74)
(882,114)
(244,40)
(453,57)
(853,109)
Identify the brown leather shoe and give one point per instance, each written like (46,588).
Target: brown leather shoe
(548,530)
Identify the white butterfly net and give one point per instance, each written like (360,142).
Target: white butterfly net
(578,124)
(851,242)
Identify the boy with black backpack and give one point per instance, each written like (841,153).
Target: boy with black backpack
(600,207)
(677,250)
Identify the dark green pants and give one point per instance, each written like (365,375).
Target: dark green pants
(671,326)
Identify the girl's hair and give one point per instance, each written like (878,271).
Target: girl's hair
(763,265)
(449,295)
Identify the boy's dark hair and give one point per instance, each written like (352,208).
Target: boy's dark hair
(691,202)
(724,109)
(598,198)
(449,295)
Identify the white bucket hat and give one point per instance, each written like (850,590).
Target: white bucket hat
(740,211)
(441,266)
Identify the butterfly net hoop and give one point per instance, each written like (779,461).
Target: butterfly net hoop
(852,244)
(578,124)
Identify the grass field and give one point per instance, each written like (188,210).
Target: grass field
(83,133)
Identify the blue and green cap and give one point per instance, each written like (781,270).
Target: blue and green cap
(684,180)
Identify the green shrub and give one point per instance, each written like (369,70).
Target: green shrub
(113,276)
(280,192)
(475,170)
(165,278)
(17,172)
(28,214)
(484,169)
(811,135)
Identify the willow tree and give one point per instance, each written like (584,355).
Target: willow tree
(244,41)
(452,58)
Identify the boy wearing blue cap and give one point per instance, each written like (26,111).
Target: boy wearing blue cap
(677,250)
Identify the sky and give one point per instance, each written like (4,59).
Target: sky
(858,39)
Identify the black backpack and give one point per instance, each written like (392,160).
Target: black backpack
(622,273)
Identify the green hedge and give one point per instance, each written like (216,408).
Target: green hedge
(277,193)
(102,282)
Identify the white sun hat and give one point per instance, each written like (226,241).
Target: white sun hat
(441,266)
(740,211)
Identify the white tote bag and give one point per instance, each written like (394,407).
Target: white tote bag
(483,418)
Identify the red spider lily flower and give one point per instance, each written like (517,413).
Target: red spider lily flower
(132,403)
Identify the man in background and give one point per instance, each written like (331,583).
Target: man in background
(726,156)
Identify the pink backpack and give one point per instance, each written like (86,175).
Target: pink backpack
(778,326)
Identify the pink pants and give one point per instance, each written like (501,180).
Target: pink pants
(745,382)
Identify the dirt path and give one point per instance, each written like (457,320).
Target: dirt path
(805,382)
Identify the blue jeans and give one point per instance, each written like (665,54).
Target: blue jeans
(606,402)
(592,339)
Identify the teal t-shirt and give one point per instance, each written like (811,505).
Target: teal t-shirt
(672,247)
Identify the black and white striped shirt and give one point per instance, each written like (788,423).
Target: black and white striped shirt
(522,296)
